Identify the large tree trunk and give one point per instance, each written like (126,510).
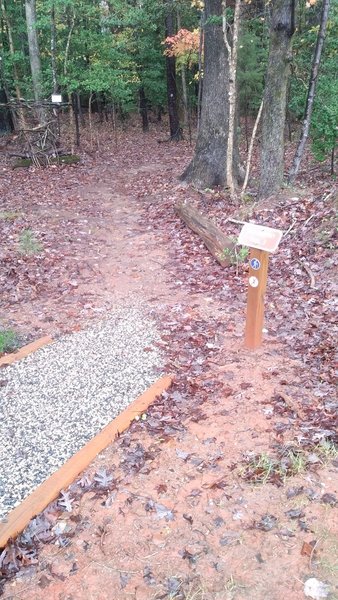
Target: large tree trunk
(34,57)
(274,111)
(208,167)
(311,92)
(220,245)
(174,123)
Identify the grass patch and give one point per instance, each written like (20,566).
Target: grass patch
(327,451)
(9,215)
(8,341)
(326,562)
(262,468)
(28,243)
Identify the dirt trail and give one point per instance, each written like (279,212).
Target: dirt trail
(182,517)
(117,258)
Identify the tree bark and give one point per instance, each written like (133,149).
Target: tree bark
(34,57)
(75,110)
(220,246)
(71,23)
(22,122)
(232,59)
(184,84)
(53,48)
(248,162)
(90,117)
(6,116)
(274,111)
(311,92)
(200,70)
(174,123)
(79,109)
(208,167)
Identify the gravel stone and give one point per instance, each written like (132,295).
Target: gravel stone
(58,398)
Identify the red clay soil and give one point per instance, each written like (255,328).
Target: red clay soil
(227,487)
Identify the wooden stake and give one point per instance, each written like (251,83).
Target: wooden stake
(255,305)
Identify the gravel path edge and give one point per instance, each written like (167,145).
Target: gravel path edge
(18,519)
(26,350)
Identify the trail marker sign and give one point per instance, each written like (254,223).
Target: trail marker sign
(261,241)
(262,238)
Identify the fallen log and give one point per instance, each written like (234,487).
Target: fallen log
(51,152)
(66,159)
(220,245)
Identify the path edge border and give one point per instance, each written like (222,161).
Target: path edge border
(8,359)
(18,519)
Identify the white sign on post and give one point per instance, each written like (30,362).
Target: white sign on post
(56,98)
(260,237)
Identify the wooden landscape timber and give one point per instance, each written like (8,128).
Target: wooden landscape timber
(37,501)
(8,359)
(220,245)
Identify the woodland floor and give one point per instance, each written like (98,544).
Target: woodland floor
(228,488)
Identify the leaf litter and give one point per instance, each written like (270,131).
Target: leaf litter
(190,448)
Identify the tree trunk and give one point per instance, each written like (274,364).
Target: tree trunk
(79,109)
(53,48)
(22,123)
(76,117)
(248,162)
(6,117)
(185,97)
(208,167)
(311,92)
(274,111)
(232,59)
(200,71)
(184,84)
(90,117)
(174,123)
(71,23)
(220,246)
(143,109)
(34,57)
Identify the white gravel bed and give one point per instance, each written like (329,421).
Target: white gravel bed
(55,400)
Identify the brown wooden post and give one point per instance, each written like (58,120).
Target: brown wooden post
(258,273)
(261,240)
